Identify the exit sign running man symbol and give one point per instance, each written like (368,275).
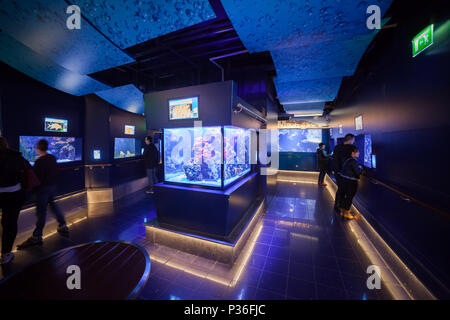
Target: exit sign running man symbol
(423,40)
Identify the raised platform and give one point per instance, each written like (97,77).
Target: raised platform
(102,266)
(99,195)
(225,252)
(206,212)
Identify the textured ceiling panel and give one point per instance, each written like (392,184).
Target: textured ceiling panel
(129,22)
(307,91)
(269,24)
(125,97)
(313,43)
(41,25)
(42,69)
(321,60)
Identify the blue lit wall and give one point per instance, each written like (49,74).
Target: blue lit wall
(125,97)
(307,91)
(129,22)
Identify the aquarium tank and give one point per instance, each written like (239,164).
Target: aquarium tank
(65,149)
(193,156)
(125,148)
(364,144)
(299,140)
(236,152)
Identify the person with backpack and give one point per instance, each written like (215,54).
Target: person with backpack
(340,153)
(350,174)
(46,170)
(12,195)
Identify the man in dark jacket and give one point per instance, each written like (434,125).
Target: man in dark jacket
(46,169)
(350,173)
(322,163)
(151,161)
(340,154)
(12,196)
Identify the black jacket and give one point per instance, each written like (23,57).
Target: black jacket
(322,160)
(351,169)
(12,166)
(151,156)
(46,169)
(340,154)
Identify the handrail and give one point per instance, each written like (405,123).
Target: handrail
(404,195)
(98,165)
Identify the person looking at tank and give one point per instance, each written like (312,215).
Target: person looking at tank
(151,161)
(12,196)
(350,174)
(322,163)
(340,153)
(46,170)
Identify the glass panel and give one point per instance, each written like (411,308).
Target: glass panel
(236,153)
(299,140)
(193,156)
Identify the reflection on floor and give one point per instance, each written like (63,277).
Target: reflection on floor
(299,250)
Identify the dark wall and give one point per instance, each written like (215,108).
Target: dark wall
(25,103)
(404,104)
(214,105)
(104,122)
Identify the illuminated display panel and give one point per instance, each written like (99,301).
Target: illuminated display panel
(359,123)
(129,130)
(183,108)
(125,148)
(65,149)
(55,125)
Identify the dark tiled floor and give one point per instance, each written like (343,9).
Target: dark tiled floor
(301,252)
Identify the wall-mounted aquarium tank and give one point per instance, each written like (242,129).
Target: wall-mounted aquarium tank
(126,148)
(364,144)
(65,149)
(236,153)
(195,155)
(299,140)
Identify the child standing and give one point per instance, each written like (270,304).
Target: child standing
(350,173)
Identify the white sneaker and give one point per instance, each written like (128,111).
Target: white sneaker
(6,258)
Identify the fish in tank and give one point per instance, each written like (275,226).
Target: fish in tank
(299,140)
(193,155)
(124,148)
(236,153)
(65,149)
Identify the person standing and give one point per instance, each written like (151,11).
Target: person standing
(46,170)
(322,163)
(12,196)
(151,161)
(350,174)
(340,153)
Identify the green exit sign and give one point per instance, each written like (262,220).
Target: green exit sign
(423,40)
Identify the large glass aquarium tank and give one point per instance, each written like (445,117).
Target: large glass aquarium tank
(206,156)
(236,153)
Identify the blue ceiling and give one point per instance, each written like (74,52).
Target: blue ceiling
(125,97)
(41,26)
(36,41)
(313,43)
(44,70)
(129,22)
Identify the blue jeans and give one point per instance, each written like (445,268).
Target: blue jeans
(45,195)
(151,175)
